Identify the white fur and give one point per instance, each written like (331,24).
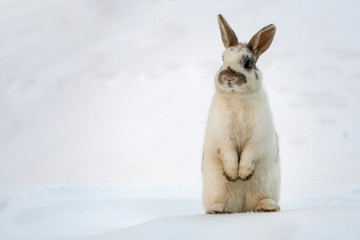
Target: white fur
(240,123)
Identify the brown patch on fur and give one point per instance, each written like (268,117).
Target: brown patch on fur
(229,179)
(246,57)
(243,58)
(231,75)
(248,177)
(253,60)
(218,151)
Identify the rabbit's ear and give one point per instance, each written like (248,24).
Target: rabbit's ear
(227,34)
(261,41)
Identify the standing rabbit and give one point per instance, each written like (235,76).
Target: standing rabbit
(241,167)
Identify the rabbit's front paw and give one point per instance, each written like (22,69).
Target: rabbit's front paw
(246,171)
(231,174)
(228,178)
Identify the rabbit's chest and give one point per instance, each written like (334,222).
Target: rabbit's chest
(239,127)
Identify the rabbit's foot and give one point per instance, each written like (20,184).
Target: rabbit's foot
(218,208)
(267,205)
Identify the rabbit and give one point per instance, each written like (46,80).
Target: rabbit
(240,165)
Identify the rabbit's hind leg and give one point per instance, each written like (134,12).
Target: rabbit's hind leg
(215,186)
(267,205)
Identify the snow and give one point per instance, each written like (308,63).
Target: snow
(103,108)
(63,211)
(291,225)
(169,211)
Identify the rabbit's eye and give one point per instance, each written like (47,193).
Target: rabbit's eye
(248,64)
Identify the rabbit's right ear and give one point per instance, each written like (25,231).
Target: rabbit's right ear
(262,40)
(228,36)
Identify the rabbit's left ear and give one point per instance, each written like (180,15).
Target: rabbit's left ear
(262,40)
(228,36)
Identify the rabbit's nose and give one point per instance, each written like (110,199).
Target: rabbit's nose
(229,82)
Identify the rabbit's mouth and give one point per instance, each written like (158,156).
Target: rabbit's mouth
(229,84)
(229,78)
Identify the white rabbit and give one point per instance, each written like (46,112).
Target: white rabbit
(241,167)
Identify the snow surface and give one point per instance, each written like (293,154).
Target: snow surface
(103,107)
(170,211)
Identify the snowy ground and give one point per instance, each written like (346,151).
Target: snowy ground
(103,107)
(170,211)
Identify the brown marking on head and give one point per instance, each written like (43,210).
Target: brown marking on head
(231,75)
(248,61)
(242,60)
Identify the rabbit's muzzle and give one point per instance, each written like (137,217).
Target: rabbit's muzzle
(231,77)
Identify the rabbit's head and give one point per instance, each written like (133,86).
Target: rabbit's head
(239,73)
